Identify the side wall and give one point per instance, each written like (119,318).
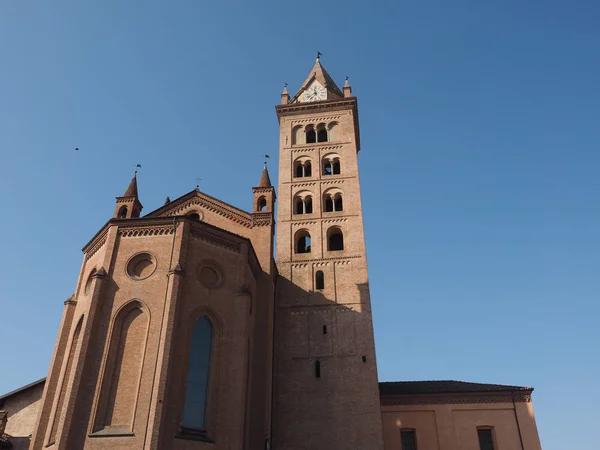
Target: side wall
(454,426)
(23,409)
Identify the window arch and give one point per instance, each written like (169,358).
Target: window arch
(118,395)
(332,201)
(322,135)
(303,203)
(319,280)
(311,135)
(198,376)
(122,213)
(193,215)
(332,164)
(333,131)
(335,239)
(302,241)
(302,167)
(261,204)
(297,135)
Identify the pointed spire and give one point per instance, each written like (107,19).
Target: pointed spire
(347,88)
(285,96)
(265,181)
(132,190)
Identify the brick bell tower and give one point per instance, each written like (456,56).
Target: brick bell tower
(325,374)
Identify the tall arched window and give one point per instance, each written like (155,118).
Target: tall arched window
(333,131)
(319,280)
(336,167)
(311,135)
(307,169)
(321,133)
(328,203)
(335,239)
(123,213)
(297,135)
(198,377)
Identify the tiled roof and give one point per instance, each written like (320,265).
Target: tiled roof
(265,181)
(443,387)
(132,190)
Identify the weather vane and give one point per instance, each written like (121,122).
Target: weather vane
(319,54)
(266,157)
(198,180)
(136,167)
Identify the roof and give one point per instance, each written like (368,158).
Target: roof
(319,73)
(23,388)
(265,181)
(443,387)
(132,190)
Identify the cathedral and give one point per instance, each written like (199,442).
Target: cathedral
(193,327)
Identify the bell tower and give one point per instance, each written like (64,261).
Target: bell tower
(325,375)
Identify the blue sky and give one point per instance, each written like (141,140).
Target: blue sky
(479,166)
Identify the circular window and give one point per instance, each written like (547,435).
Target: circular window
(141,266)
(88,283)
(210,276)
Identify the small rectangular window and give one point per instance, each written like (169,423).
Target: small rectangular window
(486,441)
(408,439)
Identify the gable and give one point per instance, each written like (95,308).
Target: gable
(210,210)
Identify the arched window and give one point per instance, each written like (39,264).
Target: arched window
(261,205)
(486,438)
(198,376)
(332,201)
(122,213)
(307,169)
(337,202)
(336,167)
(299,206)
(302,167)
(328,203)
(303,241)
(308,205)
(319,280)
(327,169)
(303,203)
(311,135)
(335,239)
(194,215)
(321,133)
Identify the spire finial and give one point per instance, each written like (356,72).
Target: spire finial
(198,180)
(319,54)
(285,91)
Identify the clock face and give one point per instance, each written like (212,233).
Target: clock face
(315,92)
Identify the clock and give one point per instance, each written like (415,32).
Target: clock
(315,92)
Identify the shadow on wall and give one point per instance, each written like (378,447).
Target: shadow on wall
(324,354)
(19,443)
